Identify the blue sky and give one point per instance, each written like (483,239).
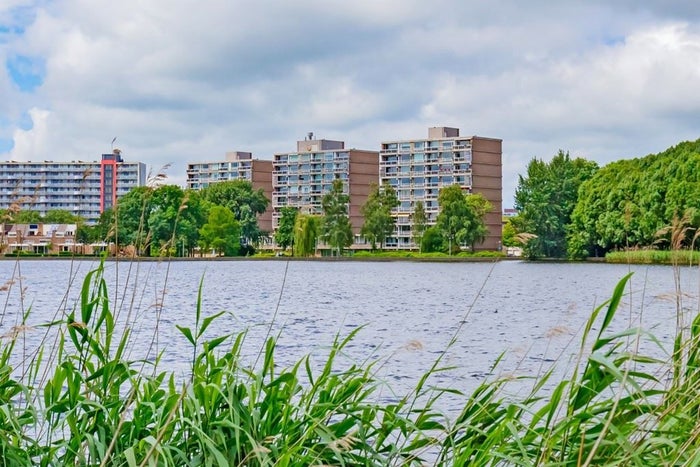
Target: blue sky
(187,81)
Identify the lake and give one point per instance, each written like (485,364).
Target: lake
(532,313)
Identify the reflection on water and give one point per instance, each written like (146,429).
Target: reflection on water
(529,312)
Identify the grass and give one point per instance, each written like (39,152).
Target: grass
(433,255)
(79,399)
(678,257)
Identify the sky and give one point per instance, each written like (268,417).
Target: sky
(189,80)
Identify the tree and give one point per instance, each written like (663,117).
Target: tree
(480,206)
(61,216)
(336,231)
(27,217)
(379,223)
(284,235)
(433,240)
(222,232)
(545,199)
(174,219)
(243,201)
(193,215)
(625,203)
(461,217)
(166,202)
(509,232)
(419,222)
(129,226)
(306,228)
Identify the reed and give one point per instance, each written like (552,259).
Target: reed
(80,399)
(678,257)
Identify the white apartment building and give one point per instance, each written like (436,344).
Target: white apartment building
(417,169)
(83,188)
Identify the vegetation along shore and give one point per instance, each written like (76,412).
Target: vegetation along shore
(78,398)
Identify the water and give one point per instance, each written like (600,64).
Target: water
(531,313)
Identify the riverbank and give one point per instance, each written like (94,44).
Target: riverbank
(641,257)
(361,258)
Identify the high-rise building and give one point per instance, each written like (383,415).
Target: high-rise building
(301,179)
(418,169)
(82,188)
(238,165)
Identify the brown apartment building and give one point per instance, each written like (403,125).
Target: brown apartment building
(301,178)
(238,165)
(419,168)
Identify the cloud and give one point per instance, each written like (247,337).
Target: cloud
(187,81)
(33,144)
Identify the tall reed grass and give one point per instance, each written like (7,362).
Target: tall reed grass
(679,257)
(81,400)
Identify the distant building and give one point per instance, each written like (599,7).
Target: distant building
(82,188)
(301,178)
(418,168)
(238,165)
(44,239)
(510,212)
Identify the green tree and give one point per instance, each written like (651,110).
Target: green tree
(433,240)
(379,223)
(222,232)
(480,206)
(419,223)
(306,230)
(336,231)
(130,224)
(461,217)
(243,201)
(545,199)
(625,203)
(193,215)
(166,204)
(284,235)
(61,216)
(27,217)
(509,232)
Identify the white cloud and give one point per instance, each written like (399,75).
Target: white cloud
(33,144)
(190,80)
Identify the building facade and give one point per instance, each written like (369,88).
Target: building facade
(300,179)
(418,169)
(238,165)
(82,188)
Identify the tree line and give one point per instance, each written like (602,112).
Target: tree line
(572,208)
(223,217)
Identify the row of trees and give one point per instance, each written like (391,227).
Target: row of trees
(167,220)
(570,207)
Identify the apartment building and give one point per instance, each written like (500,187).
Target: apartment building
(238,165)
(417,169)
(83,188)
(301,178)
